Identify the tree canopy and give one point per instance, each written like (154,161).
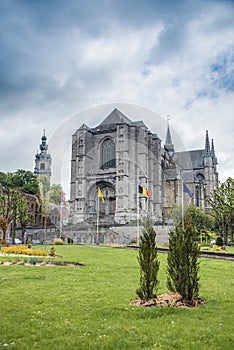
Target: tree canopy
(199,218)
(222,207)
(24,180)
(56,194)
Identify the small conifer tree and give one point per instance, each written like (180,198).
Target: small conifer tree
(182,261)
(219,241)
(148,261)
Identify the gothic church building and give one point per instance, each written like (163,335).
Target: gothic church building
(119,155)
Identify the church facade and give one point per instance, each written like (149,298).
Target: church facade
(135,173)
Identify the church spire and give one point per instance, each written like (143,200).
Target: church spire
(169,146)
(212,148)
(207,145)
(213,152)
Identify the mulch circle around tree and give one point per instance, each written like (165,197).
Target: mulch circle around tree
(169,299)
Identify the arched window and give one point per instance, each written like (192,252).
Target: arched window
(200,177)
(42,167)
(108,154)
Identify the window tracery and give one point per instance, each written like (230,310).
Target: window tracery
(108,154)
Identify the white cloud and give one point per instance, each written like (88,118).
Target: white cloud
(63,70)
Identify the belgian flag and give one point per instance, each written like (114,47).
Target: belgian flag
(144,191)
(100,195)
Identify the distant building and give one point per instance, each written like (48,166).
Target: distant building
(118,156)
(43,159)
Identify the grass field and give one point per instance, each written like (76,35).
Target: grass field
(87,307)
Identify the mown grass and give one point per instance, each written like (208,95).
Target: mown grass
(87,307)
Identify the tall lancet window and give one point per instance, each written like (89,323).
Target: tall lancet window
(108,154)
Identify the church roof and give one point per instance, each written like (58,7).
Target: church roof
(138,123)
(170,173)
(168,137)
(84,127)
(187,159)
(188,176)
(116,117)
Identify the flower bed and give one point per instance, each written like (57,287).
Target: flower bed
(24,250)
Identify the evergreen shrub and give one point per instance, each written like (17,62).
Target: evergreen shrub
(148,261)
(219,241)
(182,261)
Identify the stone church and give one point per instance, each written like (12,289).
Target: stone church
(135,173)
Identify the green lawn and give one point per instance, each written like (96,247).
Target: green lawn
(88,307)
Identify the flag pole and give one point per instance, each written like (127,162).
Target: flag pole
(60,212)
(98,207)
(182,203)
(138,215)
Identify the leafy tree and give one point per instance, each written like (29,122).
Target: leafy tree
(44,201)
(182,260)
(3,224)
(44,185)
(24,216)
(199,218)
(56,194)
(13,204)
(9,202)
(148,261)
(24,180)
(222,207)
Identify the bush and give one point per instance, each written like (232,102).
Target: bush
(34,261)
(29,243)
(52,251)
(182,261)
(219,241)
(58,241)
(148,261)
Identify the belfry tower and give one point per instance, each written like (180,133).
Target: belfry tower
(43,159)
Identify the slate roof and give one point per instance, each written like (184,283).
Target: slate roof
(84,127)
(190,159)
(170,173)
(188,176)
(116,117)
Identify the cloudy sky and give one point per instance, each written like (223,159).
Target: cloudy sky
(59,58)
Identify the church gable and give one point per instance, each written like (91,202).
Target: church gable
(116,117)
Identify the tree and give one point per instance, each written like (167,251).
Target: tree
(24,180)
(9,202)
(182,260)
(148,261)
(3,224)
(24,216)
(222,207)
(44,187)
(199,218)
(56,194)
(13,204)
